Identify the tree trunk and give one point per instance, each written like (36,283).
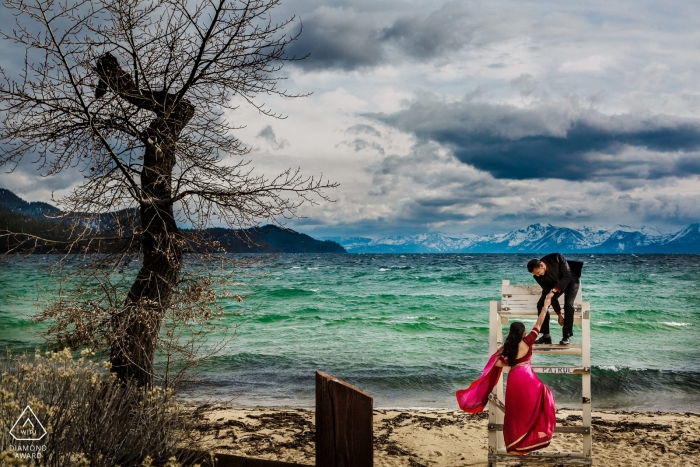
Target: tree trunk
(137,326)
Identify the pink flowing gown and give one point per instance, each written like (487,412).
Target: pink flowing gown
(530,413)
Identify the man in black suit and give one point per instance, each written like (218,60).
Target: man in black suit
(556,276)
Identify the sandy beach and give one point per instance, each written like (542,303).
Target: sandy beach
(435,438)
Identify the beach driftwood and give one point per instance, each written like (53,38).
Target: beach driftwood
(343,424)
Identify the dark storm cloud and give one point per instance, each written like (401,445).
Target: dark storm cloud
(444,30)
(362,128)
(346,39)
(268,134)
(359,144)
(337,38)
(549,142)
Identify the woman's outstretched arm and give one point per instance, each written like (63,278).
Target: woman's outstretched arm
(543,313)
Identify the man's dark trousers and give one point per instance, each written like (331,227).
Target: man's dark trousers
(569,296)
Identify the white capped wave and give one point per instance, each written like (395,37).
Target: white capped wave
(675,324)
(384,269)
(618,368)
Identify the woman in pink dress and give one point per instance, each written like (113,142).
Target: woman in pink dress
(530,413)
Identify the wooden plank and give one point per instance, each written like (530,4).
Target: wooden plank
(529,307)
(508,291)
(554,349)
(559,370)
(577,319)
(531,312)
(190,458)
(531,300)
(557,429)
(530,293)
(525,297)
(343,424)
(579,347)
(543,454)
(528,458)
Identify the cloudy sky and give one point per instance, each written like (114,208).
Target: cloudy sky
(482,117)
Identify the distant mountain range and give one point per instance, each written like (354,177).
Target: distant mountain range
(29,217)
(270,239)
(20,216)
(536,238)
(11,202)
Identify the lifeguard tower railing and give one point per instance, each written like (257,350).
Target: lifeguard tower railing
(521,301)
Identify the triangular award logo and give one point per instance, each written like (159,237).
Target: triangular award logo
(28,427)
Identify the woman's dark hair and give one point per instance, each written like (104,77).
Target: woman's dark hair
(533,264)
(510,346)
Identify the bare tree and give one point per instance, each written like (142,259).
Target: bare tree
(137,95)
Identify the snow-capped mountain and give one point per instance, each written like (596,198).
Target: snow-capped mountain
(422,243)
(685,241)
(537,238)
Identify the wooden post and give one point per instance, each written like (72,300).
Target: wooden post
(494,323)
(495,414)
(500,415)
(586,378)
(343,424)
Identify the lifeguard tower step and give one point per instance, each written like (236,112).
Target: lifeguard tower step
(555,349)
(558,429)
(542,457)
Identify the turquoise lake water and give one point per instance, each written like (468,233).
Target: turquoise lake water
(412,329)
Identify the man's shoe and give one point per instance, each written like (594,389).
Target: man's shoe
(544,340)
(565,341)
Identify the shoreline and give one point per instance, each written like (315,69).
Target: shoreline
(447,437)
(236,402)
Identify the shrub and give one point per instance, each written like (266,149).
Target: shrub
(90,418)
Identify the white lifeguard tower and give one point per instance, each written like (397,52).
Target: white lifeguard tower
(519,301)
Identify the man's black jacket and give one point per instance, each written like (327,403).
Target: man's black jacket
(559,273)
